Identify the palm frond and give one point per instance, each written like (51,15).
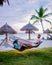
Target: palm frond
(2,1)
(45,10)
(49,13)
(35,21)
(48,21)
(8,2)
(46,15)
(37,12)
(34,17)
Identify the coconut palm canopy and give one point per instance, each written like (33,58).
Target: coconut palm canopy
(2,1)
(47,31)
(41,16)
(29,26)
(7,29)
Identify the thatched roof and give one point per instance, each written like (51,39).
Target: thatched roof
(7,29)
(47,31)
(29,26)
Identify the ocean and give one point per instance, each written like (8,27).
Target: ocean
(32,35)
(25,35)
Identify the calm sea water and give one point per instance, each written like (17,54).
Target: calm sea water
(24,35)
(33,36)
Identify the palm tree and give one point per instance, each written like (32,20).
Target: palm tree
(2,1)
(41,16)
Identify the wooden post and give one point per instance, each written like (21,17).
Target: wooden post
(29,35)
(6,37)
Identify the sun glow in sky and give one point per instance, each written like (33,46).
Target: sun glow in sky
(19,12)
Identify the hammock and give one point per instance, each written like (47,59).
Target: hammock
(28,47)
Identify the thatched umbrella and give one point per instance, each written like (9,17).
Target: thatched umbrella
(29,27)
(5,29)
(47,31)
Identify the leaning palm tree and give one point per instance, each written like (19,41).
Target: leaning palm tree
(41,16)
(2,1)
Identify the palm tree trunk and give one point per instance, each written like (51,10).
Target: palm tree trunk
(42,25)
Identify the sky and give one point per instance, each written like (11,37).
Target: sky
(19,12)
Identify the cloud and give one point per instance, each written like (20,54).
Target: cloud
(20,11)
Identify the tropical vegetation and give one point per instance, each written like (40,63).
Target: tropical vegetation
(41,16)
